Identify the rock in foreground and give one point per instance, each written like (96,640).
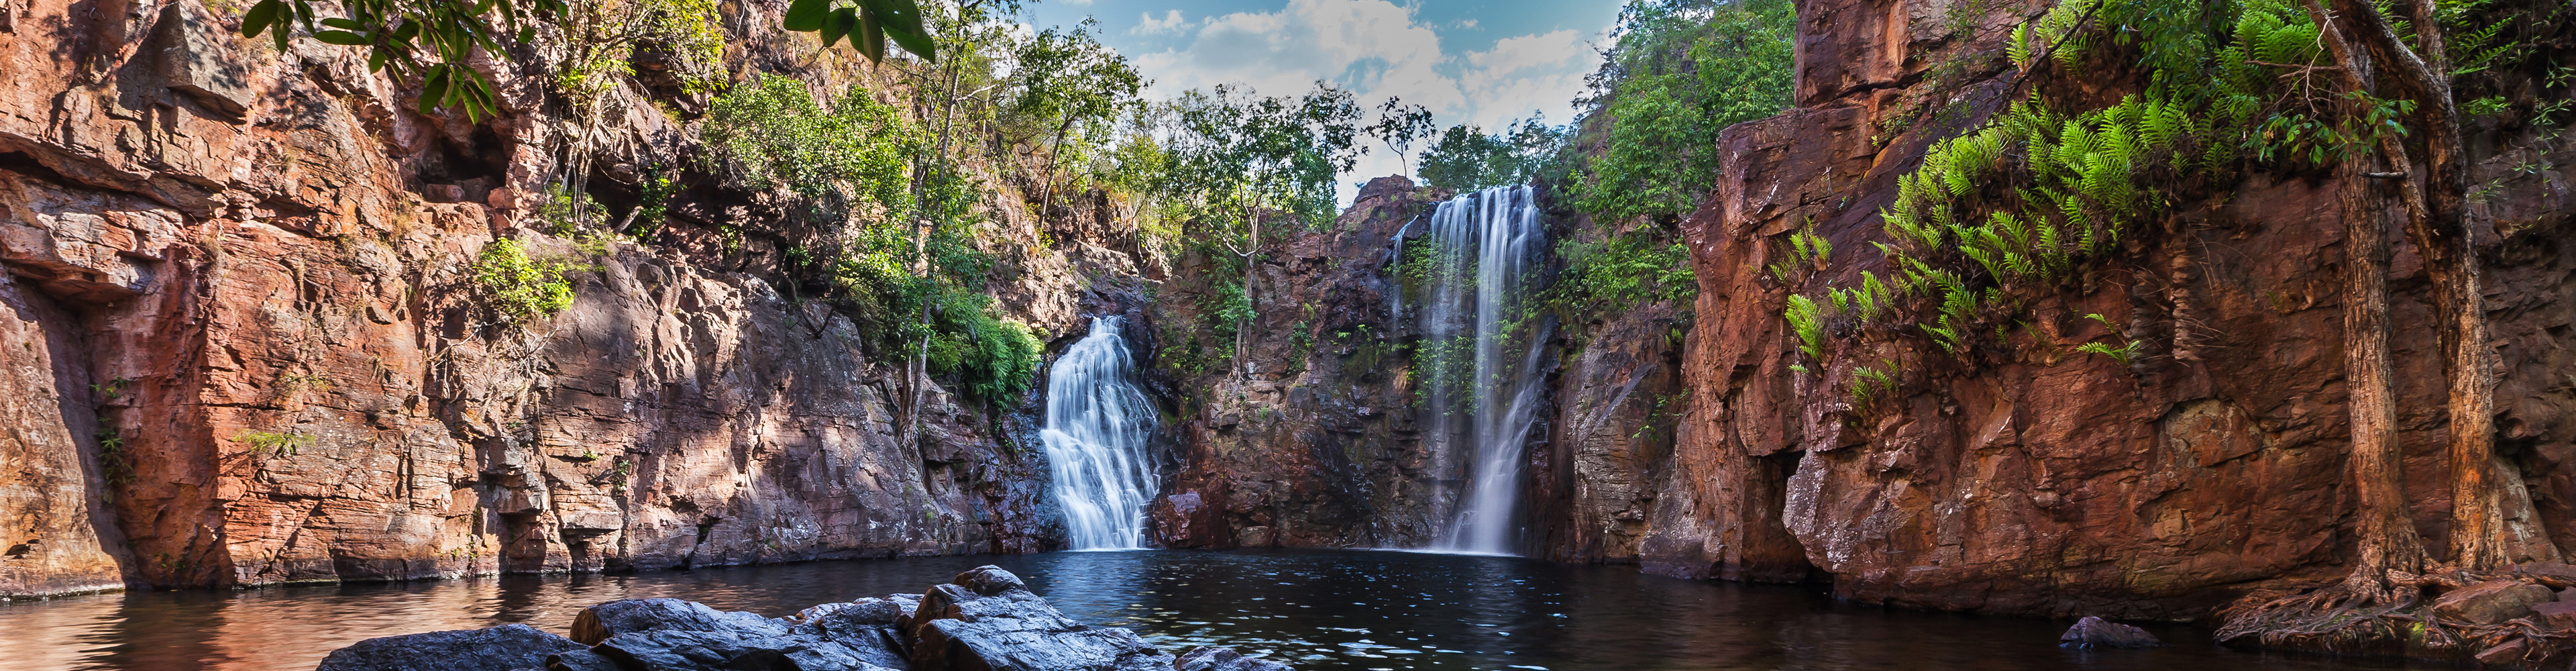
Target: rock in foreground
(987,620)
(2095,632)
(509,646)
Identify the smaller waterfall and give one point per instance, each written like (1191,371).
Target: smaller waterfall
(1097,423)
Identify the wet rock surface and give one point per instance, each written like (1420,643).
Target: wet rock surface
(509,646)
(987,620)
(2094,632)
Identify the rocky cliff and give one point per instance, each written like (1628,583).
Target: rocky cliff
(2036,480)
(2048,481)
(242,345)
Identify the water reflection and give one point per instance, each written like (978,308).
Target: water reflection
(1323,611)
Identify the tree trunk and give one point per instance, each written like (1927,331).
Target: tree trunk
(2436,191)
(2388,541)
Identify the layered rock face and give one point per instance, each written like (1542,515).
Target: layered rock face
(1315,444)
(2041,480)
(2050,481)
(242,343)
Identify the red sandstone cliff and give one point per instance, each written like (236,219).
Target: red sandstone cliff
(2040,481)
(2049,481)
(208,243)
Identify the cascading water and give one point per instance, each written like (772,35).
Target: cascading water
(1479,358)
(1097,423)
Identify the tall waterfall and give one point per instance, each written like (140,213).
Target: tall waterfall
(1097,423)
(1480,357)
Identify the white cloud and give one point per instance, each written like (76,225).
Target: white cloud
(1170,22)
(1526,73)
(1377,49)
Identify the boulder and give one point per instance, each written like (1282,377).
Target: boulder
(870,610)
(196,60)
(581,660)
(2095,632)
(601,622)
(502,648)
(1212,658)
(684,650)
(988,621)
(2555,614)
(2492,601)
(2554,574)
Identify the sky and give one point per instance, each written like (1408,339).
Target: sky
(1478,62)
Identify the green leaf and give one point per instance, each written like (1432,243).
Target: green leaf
(432,91)
(871,38)
(806,15)
(840,24)
(917,43)
(260,16)
(896,15)
(340,37)
(344,24)
(376,60)
(406,31)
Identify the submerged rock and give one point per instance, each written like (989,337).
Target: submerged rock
(502,648)
(2095,632)
(987,620)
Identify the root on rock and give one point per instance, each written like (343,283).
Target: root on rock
(2345,618)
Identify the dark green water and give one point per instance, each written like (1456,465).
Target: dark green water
(1321,611)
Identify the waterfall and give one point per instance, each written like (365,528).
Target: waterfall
(1479,357)
(1097,423)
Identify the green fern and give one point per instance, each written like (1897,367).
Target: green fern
(2127,353)
(1808,323)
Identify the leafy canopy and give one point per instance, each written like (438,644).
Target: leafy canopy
(1683,70)
(1464,158)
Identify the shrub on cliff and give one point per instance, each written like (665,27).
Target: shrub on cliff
(770,132)
(517,287)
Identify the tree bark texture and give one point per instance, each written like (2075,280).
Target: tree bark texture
(2388,540)
(2436,190)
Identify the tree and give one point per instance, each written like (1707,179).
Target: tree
(2435,190)
(1399,127)
(2432,193)
(1240,157)
(1465,158)
(1068,79)
(1683,71)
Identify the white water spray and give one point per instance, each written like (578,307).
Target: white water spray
(1097,423)
(1481,358)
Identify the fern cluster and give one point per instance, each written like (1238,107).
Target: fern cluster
(1807,251)
(2026,201)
